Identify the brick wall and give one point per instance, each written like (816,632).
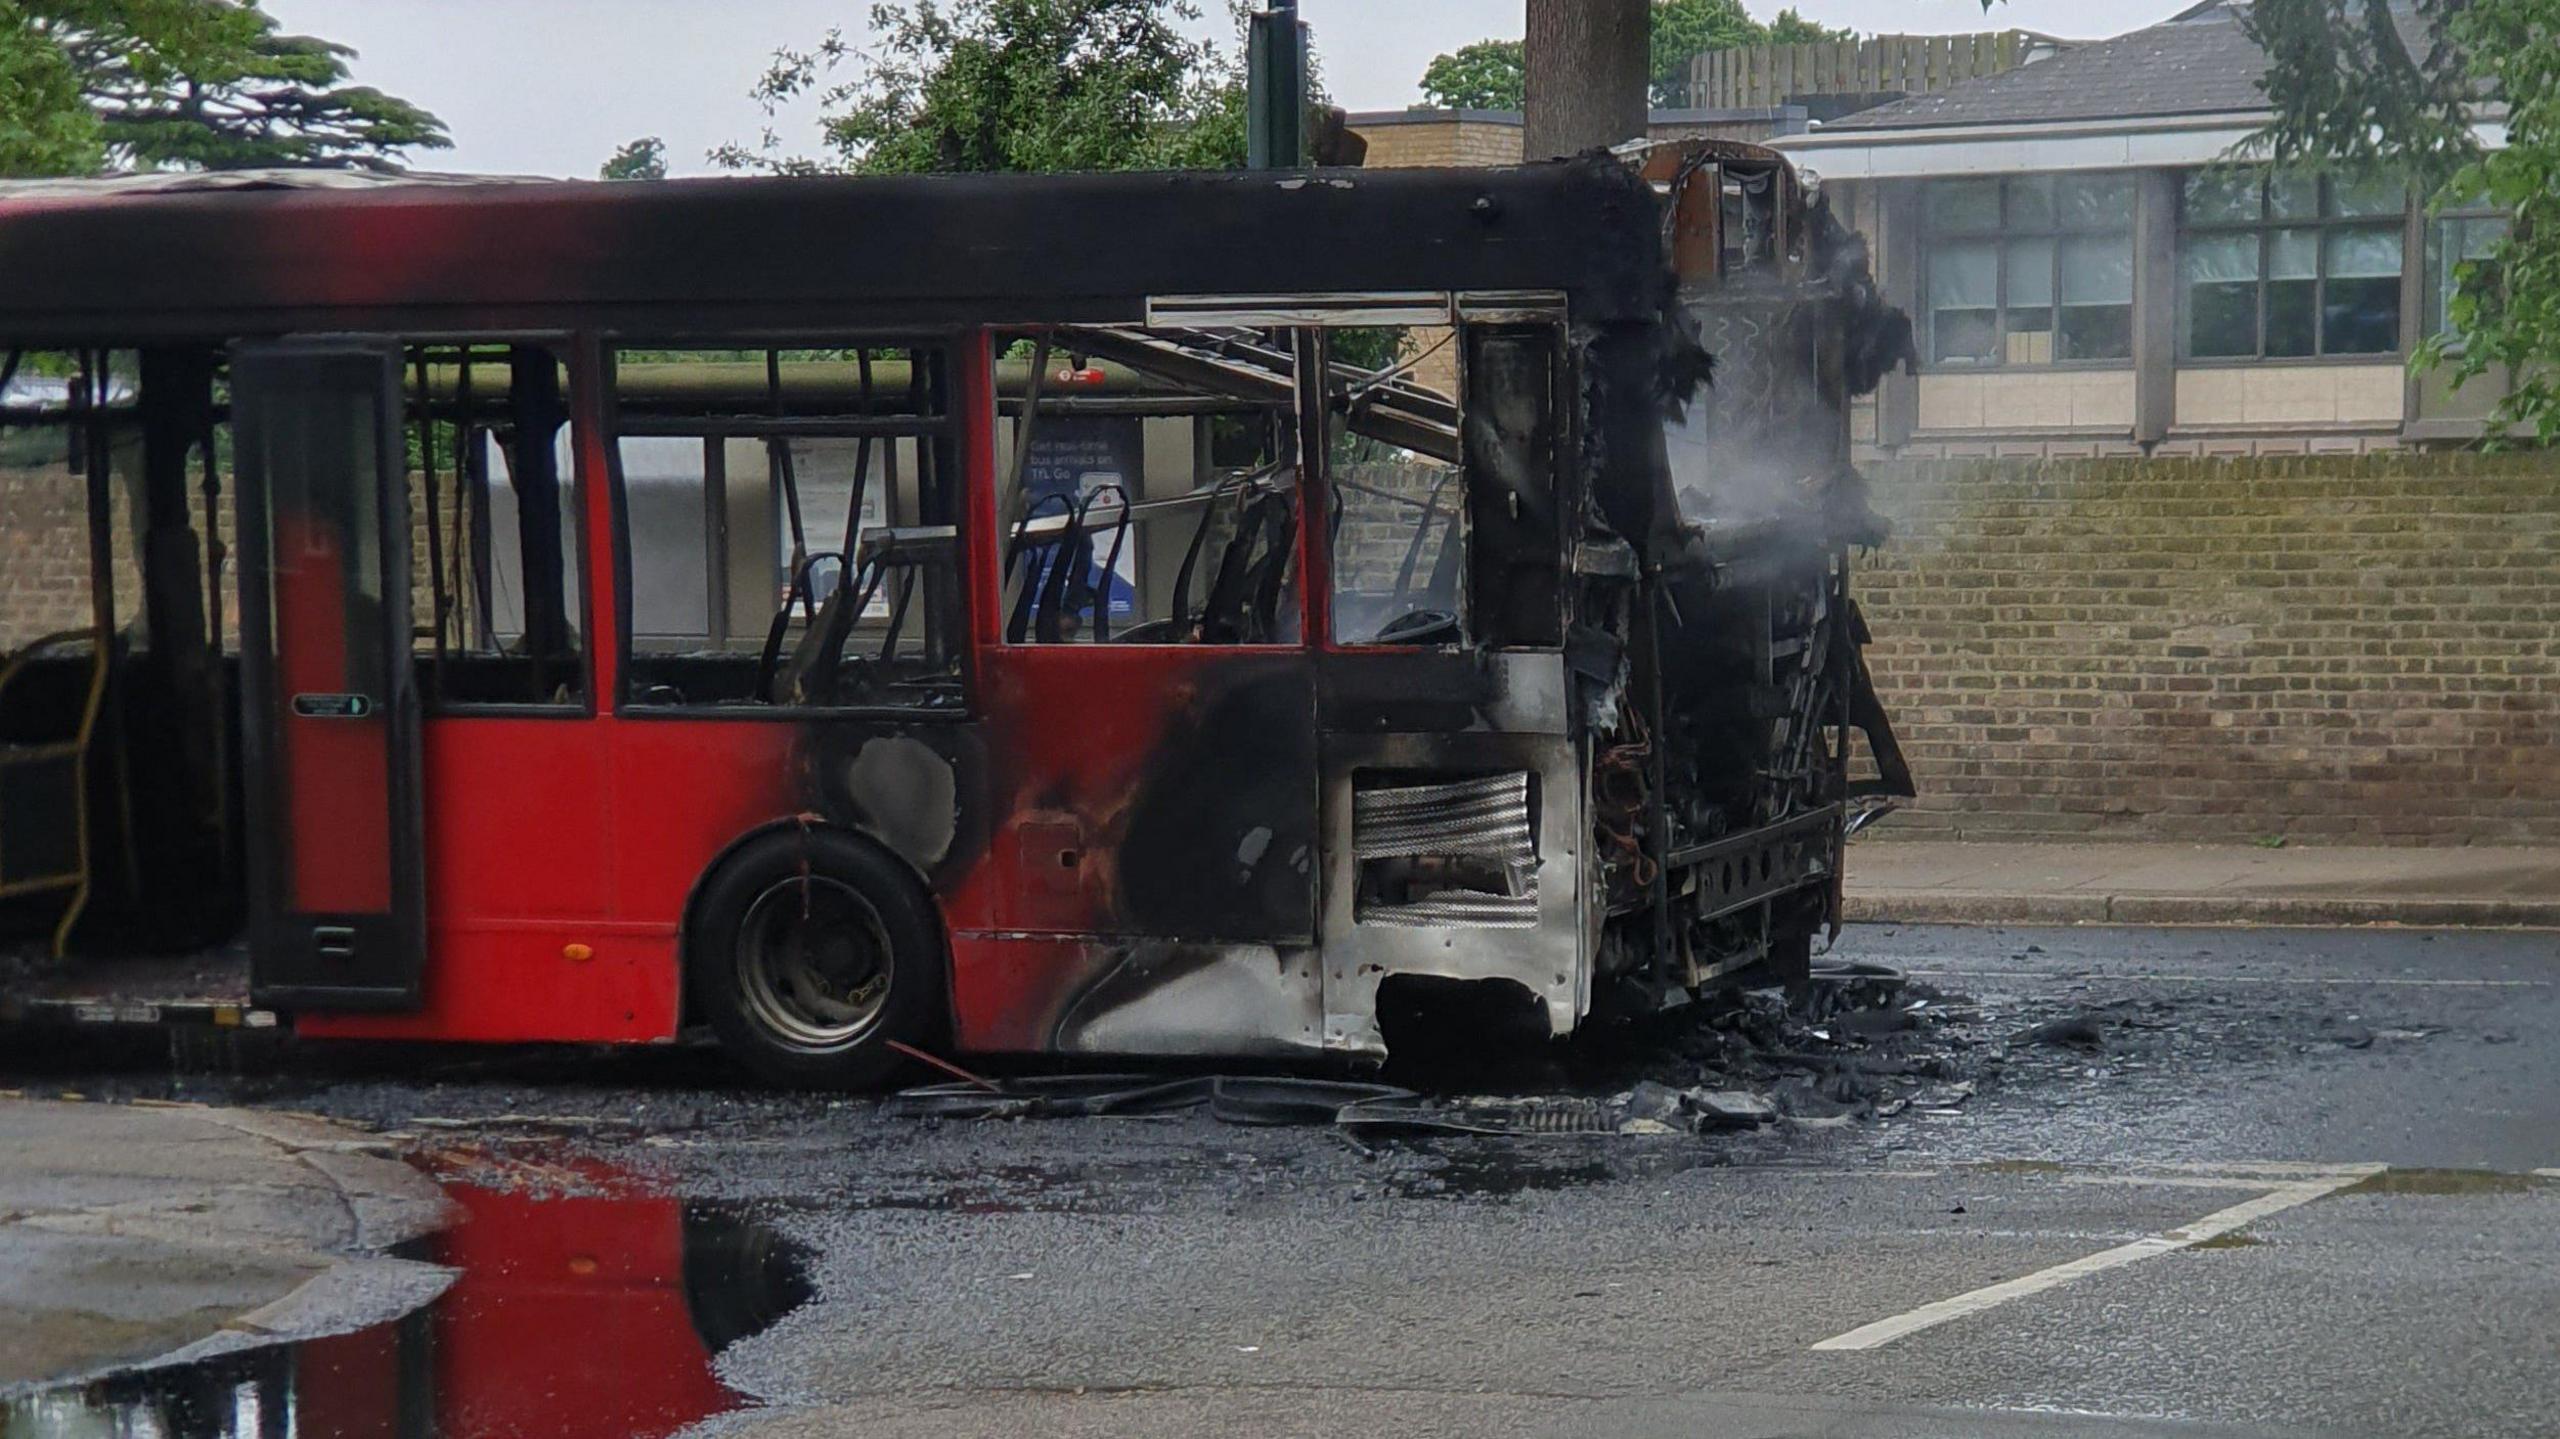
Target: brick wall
(44,542)
(2335,649)
(1442,139)
(1380,517)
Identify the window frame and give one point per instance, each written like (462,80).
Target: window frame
(950,428)
(575,542)
(2436,300)
(2001,235)
(2321,224)
(1311,320)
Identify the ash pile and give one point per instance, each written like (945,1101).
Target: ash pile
(1859,1042)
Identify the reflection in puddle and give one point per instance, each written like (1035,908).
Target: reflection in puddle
(1492,1169)
(572,1316)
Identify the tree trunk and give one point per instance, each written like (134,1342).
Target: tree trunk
(1588,69)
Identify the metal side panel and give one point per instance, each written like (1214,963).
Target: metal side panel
(1539,945)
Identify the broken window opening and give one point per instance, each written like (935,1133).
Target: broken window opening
(1151,490)
(1399,513)
(497,608)
(1399,545)
(58,410)
(791,518)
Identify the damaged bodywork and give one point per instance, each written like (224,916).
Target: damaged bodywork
(1636,773)
(1472,608)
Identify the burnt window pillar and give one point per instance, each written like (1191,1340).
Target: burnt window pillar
(536,412)
(1515,580)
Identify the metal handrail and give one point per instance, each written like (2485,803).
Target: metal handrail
(75,749)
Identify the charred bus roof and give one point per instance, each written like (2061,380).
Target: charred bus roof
(116,263)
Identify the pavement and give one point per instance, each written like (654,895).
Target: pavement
(134,1235)
(1913,881)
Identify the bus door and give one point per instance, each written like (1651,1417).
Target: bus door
(330,721)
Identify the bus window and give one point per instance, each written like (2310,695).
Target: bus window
(1399,527)
(1148,488)
(791,518)
(495,597)
(54,408)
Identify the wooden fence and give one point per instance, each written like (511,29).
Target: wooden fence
(1756,75)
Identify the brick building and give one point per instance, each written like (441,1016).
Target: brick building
(2183,550)
(2088,276)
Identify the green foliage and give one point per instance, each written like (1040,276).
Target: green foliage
(1683,28)
(641,159)
(1367,347)
(1010,85)
(1488,75)
(45,127)
(1790,28)
(212,85)
(2350,91)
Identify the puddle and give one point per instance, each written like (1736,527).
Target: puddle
(2445,1182)
(2236,1239)
(1502,1169)
(2018,1166)
(584,1315)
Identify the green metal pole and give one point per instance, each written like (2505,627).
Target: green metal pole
(1276,89)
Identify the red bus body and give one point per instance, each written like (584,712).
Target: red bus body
(1129,848)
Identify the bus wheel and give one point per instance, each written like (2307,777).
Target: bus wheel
(810,952)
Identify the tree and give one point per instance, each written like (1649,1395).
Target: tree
(1685,28)
(212,85)
(641,159)
(2354,89)
(1584,84)
(45,126)
(1487,75)
(1790,28)
(983,85)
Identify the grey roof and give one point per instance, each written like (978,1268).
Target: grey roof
(2199,63)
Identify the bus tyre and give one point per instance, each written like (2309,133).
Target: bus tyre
(810,951)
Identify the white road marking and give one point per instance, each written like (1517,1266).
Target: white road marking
(2220,1222)
(2183,978)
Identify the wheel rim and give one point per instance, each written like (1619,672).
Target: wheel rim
(813,964)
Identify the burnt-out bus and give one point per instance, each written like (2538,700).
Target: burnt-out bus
(1136,614)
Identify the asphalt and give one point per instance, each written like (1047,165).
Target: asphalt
(1924,881)
(2379,1099)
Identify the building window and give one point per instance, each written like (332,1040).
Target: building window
(2030,270)
(2289,266)
(2462,237)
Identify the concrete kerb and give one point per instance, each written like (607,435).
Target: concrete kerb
(1950,906)
(136,1236)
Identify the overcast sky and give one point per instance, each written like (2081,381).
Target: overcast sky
(551,87)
